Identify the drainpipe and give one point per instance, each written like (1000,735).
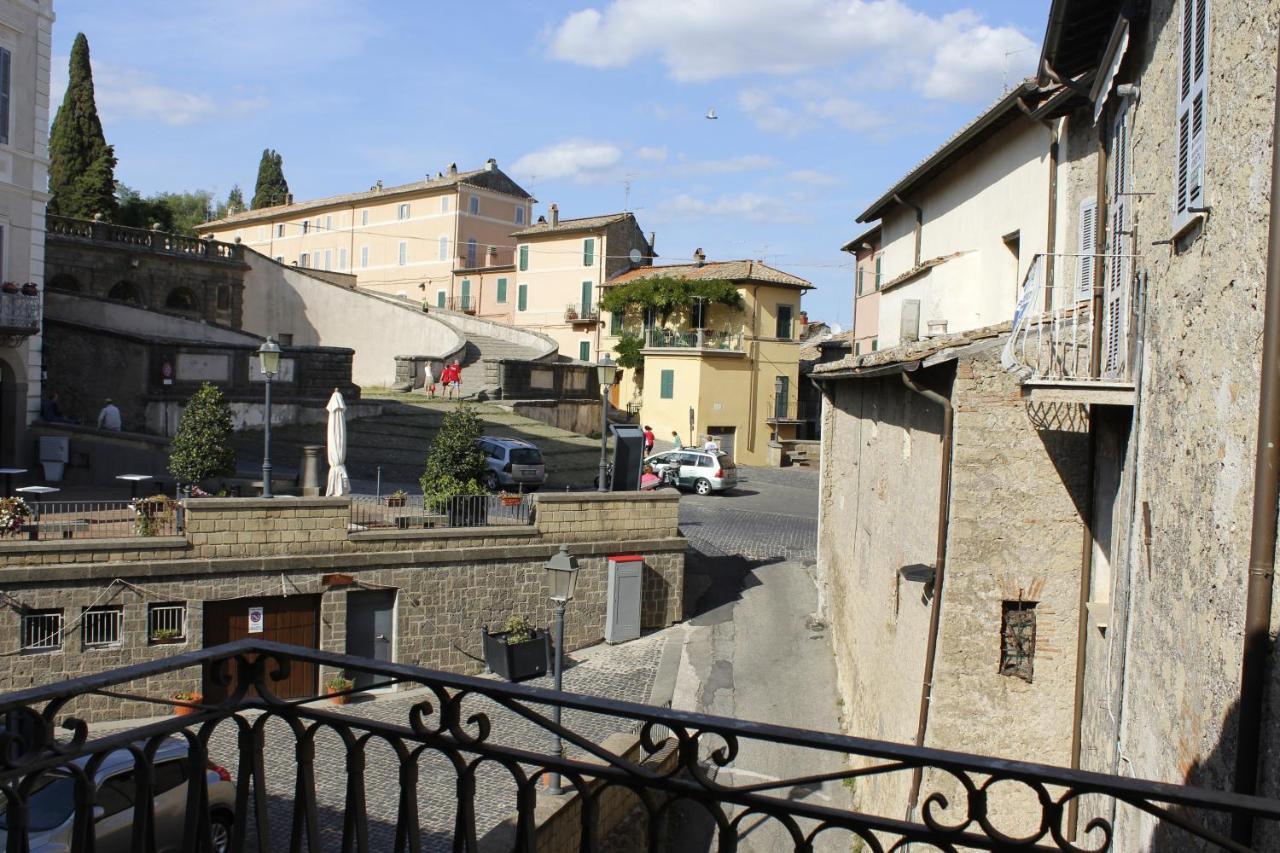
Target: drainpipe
(1262,540)
(1051,239)
(939,571)
(752,394)
(919,222)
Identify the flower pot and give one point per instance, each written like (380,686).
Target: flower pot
(517,661)
(9,287)
(184,710)
(30,289)
(395,501)
(336,699)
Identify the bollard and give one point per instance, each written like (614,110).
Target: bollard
(309,479)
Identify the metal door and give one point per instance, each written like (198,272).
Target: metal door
(370,629)
(724,437)
(622,618)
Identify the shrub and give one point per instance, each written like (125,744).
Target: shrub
(202,447)
(455,465)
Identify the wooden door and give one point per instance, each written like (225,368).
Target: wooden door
(293,619)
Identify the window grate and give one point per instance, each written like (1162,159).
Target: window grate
(166,622)
(42,630)
(101,626)
(1018,639)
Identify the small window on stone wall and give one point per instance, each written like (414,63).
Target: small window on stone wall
(224,298)
(181,299)
(1018,639)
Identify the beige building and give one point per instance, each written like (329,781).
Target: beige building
(867,278)
(413,240)
(729,371)
(25,43)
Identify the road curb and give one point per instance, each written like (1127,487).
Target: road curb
(664,680)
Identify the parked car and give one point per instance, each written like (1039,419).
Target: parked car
(697,469)
(513,464)
(51,806)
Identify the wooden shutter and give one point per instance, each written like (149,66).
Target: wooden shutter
(1190,129)
(1117,273)
(466,294)
(6,81)
(588,251)
(522,297)
(668,390)
(586,299)
(1087,248)
(584,350)
(502,290)
(524,257)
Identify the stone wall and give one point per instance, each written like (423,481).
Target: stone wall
(526,379)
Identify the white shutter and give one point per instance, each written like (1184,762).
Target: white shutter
(1087,248)
(1117,273)
(1188,190)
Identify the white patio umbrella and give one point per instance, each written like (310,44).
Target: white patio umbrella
(336,441)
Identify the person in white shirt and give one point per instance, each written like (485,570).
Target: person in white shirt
(710,446)
(109,417)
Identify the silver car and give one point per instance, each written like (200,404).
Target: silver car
(51,806)
(512,464)
(700,470)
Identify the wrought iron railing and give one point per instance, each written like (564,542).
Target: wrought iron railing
(447,763)
(466,304)
(575,312)
(161,242)
(694,339)
(100,519)
(413,512)
(1053,334)
(19,314)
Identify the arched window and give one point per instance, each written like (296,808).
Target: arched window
(125,291)
(64,281)
(180,299)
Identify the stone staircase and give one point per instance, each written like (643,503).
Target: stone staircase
(480,347)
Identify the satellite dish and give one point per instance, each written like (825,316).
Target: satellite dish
(635,256)
(711,114)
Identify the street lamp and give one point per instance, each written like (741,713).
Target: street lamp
(269,362)
(606,370)
(562,577)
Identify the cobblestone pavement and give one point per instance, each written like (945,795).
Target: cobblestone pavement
(772,514)
(623,672)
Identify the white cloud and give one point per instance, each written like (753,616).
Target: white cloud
(123,93)
(949,56)
(812,177)
(580,159)
(762,107)
(752,206)
(654,154)
(724,166)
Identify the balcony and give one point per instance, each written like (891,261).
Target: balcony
(697,339)
(580,315)
(1055,345)
(460,760)
(141,239)
(461,304)
(19,316)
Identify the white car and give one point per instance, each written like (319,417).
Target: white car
(699,470)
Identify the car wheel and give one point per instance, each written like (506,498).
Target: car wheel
(491,481)
(220,831)
(703,486)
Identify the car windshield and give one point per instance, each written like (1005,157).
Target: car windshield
(526,456)
(51,802)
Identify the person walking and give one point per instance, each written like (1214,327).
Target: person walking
(109,417)
(452,379)
(649,438)
(429,382)
(675,439)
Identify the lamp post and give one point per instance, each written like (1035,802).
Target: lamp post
(562,577)
(269,362)
(606,370)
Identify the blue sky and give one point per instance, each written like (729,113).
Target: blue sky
(822,104)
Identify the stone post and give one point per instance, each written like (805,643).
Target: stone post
(309,482)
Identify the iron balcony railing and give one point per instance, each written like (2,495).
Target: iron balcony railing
(19,314)
(459,755)
(99,519)
(575,312)
(1053,325)
(141,239)
(693,339)
(465,304)
(413,512)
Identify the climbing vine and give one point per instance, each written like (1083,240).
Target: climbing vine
(667,295)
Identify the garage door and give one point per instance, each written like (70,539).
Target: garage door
(293,619)
(724,437)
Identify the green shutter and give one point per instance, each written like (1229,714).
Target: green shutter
(584,350)
(586,299)
(877,272)
(466,294)
(615,323)
(668,391)
(588,251)
(784,323)
(502,291)
(439,298)
(524,257)
(522,297)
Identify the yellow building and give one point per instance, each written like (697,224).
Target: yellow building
(414,239)
(728,371)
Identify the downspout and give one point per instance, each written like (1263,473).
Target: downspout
(939,572)
(755,369)
(1262,540)
(1051,239)
(1082,623)
(919,222)
(351,250)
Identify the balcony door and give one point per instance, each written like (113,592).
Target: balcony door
(466,294)
(781,389)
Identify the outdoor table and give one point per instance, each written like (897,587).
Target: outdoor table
(36,492)
(134,480)
(8,479)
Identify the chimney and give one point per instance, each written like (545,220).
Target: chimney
(542,220)
(490,164)
(653,244)
(804,318)
(699,256)
(288,198)
(378,186)
(453,170)
(555,215)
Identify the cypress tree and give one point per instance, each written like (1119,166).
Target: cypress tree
(235,200)
(81,163)
(271,188)
(202,446)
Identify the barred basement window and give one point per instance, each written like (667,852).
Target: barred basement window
(1018,639)
(42,631)
(101,626)
(166,623)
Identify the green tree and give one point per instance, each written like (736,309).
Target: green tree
(630,350)
(455,465)
(202,446)
(179,212)
(668,295)
(235,201)
(81,163)
(271,188)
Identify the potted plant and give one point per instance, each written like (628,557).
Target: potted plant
(397,498)
(30,289)
(186,696)
(454,471)
(518,651)
(9,287)
(149,514)
(14,514)
(337,687)
(166,636)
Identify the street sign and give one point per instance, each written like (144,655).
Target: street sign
(255,620)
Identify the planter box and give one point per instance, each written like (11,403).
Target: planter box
(517,661)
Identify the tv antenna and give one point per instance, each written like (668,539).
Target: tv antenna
(1004,87)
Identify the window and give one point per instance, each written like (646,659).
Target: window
(404,252)
(857,347)
(586,299)
(668,385)
(115,794)
(306,225)
(471,253)
(474,207)
(519,215)
(524,257)
(584,350)
(1188,180)
(1018,639)
(364,217)
(280,229)
(878,276)
(522,297)
(224,298)
(1087,246)
(304,260)
(783,332)
(444,204)
(441,297)
(875,344)
(402,212)
(328,259)
(125,291)
(6,82)
(501,297)
(285,339)
(263,233)
(180,299)
(858,283)
(166,622)
(588,251)
(444,248)
(364,257)
(615,323)
(342,259)
(42,630)
(328,222)
(100,626)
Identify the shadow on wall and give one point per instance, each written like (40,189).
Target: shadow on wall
(1064,431)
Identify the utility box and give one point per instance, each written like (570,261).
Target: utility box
(622,616)
(628,457)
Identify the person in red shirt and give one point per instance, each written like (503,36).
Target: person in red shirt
(648,440)
(452,379)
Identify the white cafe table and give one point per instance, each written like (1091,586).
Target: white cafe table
(134,480)
(36,492)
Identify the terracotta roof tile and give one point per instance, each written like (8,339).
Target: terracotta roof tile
(729,270)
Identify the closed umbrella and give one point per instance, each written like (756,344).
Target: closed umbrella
(336,440)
